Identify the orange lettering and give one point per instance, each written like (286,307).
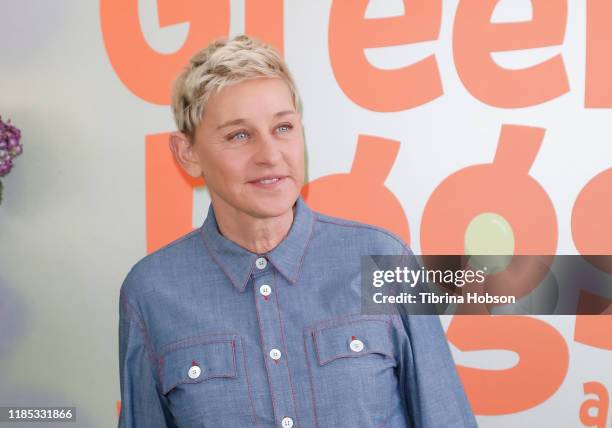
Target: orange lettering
(373,88)
(598,84)
(591,216)
(361,195)
(169,194)
(145,72)
(543,355)
(503,187)
(595,330)
(264,20)
(475,37)
(601,405)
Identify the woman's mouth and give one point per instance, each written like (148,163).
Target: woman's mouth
(268,182)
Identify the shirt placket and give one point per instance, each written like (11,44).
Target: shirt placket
(274,345)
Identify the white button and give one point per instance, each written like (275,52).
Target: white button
(194,372)
(356,345)
(287,422)
(261,263)
(265,290)
(275,354)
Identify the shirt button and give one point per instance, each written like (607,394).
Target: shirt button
(194,372)
(275,354)
(356,345)
(265,290)
(261,263)
(287,422)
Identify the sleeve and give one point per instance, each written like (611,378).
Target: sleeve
(142,405)
(433,392)
(430,383)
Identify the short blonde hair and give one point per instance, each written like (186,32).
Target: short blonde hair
(223,62)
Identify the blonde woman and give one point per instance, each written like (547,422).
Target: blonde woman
(253,320)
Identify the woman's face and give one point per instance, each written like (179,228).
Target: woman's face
(250,148)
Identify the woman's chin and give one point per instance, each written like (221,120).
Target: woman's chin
(273,207)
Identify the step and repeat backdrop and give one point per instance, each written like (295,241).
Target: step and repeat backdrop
(458,125)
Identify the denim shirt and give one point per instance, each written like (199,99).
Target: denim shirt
(212,335)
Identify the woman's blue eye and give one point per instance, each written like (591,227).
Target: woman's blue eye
(285,128)
(240,135)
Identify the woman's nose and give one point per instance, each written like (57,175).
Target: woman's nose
(268,150)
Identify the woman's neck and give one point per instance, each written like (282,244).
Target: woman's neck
(258,235)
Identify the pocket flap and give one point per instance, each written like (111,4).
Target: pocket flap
(197,362)
(352,339)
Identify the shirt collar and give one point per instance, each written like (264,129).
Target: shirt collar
(237,263)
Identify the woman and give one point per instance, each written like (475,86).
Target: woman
(254,318)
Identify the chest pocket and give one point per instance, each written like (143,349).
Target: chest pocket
(206,383)
(352,366)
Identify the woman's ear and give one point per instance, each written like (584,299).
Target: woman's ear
(184,153)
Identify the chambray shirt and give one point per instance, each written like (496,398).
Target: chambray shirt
(212,335)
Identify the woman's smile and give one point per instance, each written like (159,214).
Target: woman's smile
(269,182)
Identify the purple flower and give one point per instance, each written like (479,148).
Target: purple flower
(10,147)
(5,166)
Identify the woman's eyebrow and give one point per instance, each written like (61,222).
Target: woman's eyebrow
(284,113)
(231,122)
(241,120)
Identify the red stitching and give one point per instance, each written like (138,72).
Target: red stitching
(131,311)
(316,347)
(246,375)
(177,241)
(316,331)
(204,378)
(389,334)
(312,390)
(234,357)
(214,257)
(186,381)
(312,333)
(263,344)
(354,321)
(194,340)
(345,319)
(354,355)
(284,346)
(362,225)
(308,241)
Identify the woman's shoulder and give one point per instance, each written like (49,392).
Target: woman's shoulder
(160,263)
(379,238)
